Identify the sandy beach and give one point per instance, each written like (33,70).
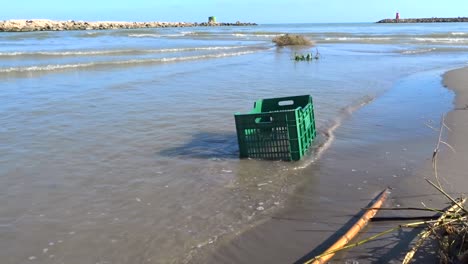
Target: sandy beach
(453,165)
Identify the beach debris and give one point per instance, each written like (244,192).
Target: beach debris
(454,210)
(260,208)
(292,40)
(352,232)
(403,218)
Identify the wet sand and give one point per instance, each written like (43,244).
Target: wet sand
(454,165)
(390,147)
(457,80)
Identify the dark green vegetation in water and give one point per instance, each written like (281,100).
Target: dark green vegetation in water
(307,57)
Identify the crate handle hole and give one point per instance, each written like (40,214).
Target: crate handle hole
(286,103)
(264,120)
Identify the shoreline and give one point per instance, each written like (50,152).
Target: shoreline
(452,164)
(425,20)
(359,169)
(30,25)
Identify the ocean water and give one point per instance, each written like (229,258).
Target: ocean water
(120,146)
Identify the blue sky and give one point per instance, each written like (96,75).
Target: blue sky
(260,11)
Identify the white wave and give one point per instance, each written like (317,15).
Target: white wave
(459,33)
(144,35)
(442,40)
(157,35)
(418,51)
(198,49)
(330,131)
(108,52)
(421,39)
(127,62)
(255,35)
(358,39)
(45,68)
(15,53)
(209,56)
(62,53)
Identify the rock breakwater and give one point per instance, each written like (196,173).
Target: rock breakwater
(51,25)
(425,20)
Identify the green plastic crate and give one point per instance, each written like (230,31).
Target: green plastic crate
(277,128)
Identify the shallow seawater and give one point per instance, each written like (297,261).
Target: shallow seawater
(381,145)
(120,146)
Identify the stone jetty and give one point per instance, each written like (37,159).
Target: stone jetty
(425,20)
(52,25)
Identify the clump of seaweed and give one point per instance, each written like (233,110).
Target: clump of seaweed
(292,40)
(453,243)
(453,240)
